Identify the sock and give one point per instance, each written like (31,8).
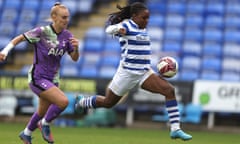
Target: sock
(173,114)
(52,113)
(32,124)
(88,102)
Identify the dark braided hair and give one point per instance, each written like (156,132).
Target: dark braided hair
(125,13)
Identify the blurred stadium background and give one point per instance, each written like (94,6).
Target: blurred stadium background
(203,35)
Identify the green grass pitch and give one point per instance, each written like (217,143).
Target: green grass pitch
(9,135)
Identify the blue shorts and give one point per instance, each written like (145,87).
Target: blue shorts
(38,86)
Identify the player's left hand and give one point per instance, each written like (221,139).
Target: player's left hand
(74,42)
(2,57)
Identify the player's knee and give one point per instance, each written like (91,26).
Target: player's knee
(170,92)
(109,104)
(64,103)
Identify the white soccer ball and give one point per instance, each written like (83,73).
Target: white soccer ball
(167,67)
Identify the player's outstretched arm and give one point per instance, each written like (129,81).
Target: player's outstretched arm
(4,52)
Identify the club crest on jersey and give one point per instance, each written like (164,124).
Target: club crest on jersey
(142,37)
(55,52)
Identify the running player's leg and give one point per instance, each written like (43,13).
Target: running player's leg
(156,84)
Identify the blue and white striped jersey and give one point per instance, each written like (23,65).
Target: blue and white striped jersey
(135,46)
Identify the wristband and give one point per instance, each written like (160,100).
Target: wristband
(7,48)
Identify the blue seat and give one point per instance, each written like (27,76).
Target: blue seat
(156,33)
(193,33)
(176,7)
(85,6)
(191,63)
(10,4)
(231,35)
(232,21)
(7,29)
(10,15)
(173,34)
(214,21)
(21,47)
(47,4)
(23,27)
(212,49)
(92,45)
(212,34)
(112,46)
(4,41)
(189,75)
(171,47)
(231,65)
(157,6)
(110,60)
(215,7)
(230,76)
(95,33)
(174,20)
(24,70)
(212,64)
(231,50)
(69,71)
(210,75)
(71,5)
(31,5)
(28,16)
(88,71)
(192,114)
(192,48)
(107,71)
(232,7)
(194,20)
(195,7)
(156,20)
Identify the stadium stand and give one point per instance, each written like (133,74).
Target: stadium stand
(204,35)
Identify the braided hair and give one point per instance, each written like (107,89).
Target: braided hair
(125,12)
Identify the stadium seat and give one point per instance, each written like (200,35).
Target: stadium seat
(10,16)
(7,29)
(111,45)
(21,47)
(156,20)
(170,46)
(230,76)
(231,65)
(4,41)
(232,7)
(211,64)
(231,50)
(92,45)
(107,71)
(10,4)
(232,21)
(192,114)
(195,7)
(69,71)
(31,5)
(189,75)
(215,7)
(24,70)
(88,71)
(157,6)
(191,63)
(174,20)
(97,33)
(155,33)
(171,33)
(47,4)
(213,34)
(193,33)
(110,60)
(214,21)
(194,20)
(212,49)
(28,16)
(192,48)
(231,35)
(71,5)
(23,27)
(210,75)
(176,7)
(85,6)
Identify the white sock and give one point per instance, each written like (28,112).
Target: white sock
(175,126)
(44,122)
(27,132)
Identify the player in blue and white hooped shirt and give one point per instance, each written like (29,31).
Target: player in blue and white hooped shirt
(129,24)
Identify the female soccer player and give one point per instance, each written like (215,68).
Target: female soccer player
(51,42)
(130,25)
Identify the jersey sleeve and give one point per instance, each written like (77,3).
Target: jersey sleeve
(33,36)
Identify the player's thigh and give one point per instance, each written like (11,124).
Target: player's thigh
(157,84)
(55,96)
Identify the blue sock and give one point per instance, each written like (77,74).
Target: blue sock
(89,102)
(173,114)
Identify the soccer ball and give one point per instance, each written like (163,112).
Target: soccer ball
(167,67)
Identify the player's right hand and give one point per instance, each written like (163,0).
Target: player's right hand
(2,57)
